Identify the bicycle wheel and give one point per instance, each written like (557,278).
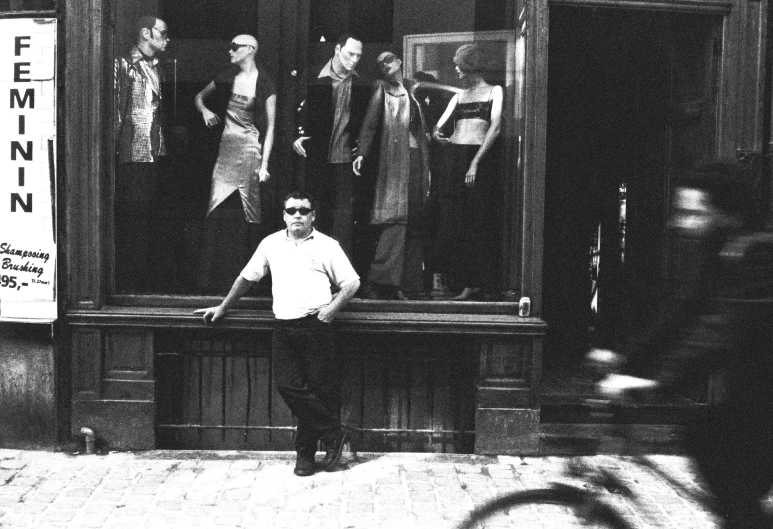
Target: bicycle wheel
(583,504)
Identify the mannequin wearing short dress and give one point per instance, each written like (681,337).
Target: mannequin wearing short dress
(244,99)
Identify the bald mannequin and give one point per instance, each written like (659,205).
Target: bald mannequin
(242,51)
(239,104)
(249,40)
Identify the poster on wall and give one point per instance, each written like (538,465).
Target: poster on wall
(28,170)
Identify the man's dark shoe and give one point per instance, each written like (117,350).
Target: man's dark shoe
(304,465)
(333,449)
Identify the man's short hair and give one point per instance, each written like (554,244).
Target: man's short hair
(728,186)
(145,22)
(300,195)
(343,38)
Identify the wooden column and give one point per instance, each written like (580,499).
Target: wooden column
(507,416)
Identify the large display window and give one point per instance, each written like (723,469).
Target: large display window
(405,121)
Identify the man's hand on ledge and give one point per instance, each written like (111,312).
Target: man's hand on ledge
(212,314)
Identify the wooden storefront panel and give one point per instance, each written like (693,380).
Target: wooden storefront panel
(400,393)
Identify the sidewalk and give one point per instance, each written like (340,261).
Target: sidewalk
(171,489)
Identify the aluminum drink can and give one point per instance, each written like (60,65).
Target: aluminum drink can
(524,307)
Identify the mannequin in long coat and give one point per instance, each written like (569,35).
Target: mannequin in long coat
(394,143)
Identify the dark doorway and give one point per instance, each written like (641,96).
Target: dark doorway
(630,94)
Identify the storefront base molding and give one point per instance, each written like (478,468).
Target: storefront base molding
(507,431)
(117,424)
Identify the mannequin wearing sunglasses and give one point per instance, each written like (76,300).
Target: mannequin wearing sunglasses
(140,144)
(243,109)
(393,146)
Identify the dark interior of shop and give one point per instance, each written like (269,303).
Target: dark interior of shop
(618,84)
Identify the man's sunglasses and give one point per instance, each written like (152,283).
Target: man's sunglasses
(389,59)
(235,46)
(302,211)
(161,32)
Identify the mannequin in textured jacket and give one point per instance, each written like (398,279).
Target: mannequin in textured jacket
(140,144)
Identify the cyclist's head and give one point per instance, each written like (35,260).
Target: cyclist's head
(714,195)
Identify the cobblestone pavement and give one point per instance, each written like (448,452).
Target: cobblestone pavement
(170,489)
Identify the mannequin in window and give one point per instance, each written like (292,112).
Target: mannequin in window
(393,137)
(328,123)
(244,102)
(476,113)
(140,144)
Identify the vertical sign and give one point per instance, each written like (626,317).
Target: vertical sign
(27,169)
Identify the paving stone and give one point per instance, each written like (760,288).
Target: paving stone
(360,497)
(9,501)
(388,480)
(30,508)
(149,479)
(12,464)
(422,497)
(94,520)
(364,520)
(393,524)
(157,521)
(69,503)
(57,516)
(390,490)
(78,493)
(228,519)
(420,486)
(99,507)
(416,476)
(358,487)
(122,511)
(117,484)
(169,505)
(19,520)
(39,497)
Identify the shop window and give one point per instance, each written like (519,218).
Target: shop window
(425,223)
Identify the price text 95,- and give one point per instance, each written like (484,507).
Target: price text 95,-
(10,282)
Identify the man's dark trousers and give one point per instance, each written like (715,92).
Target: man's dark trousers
(307,375)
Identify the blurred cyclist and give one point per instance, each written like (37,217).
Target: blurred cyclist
(717,320)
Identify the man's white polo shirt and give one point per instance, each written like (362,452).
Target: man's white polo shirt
(302,274)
